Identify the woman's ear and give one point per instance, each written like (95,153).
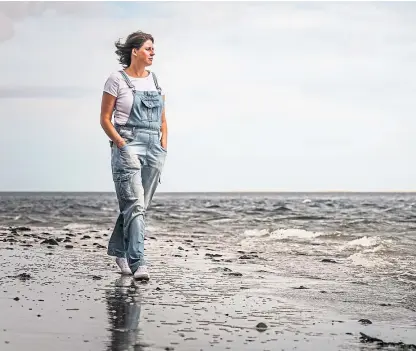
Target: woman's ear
(134,52)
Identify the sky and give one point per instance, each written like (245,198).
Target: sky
(260,96)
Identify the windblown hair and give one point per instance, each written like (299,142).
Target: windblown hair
(134,40)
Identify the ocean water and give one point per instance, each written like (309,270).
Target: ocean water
(366,240)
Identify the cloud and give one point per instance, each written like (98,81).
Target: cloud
(260,96)
(36,92)
(13,12)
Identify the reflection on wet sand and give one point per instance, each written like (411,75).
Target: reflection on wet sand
(123,308)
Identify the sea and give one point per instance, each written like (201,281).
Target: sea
(367,240)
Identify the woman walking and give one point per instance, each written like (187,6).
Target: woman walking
(138,146)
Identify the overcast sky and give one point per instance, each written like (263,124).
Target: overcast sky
(260,96)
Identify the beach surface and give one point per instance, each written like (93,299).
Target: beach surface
(60,291)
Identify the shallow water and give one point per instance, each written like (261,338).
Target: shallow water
(371,234)
(355,254)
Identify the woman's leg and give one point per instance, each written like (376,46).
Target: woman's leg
(128,183)
(133,213)
(150,181)
(117,245)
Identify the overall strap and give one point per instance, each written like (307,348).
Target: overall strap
(159,89)
(126,78)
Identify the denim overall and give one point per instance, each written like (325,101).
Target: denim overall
(136,169)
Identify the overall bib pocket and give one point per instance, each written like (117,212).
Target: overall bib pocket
(151,107)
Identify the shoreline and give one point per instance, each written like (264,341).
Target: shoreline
(197,298)
(234,192)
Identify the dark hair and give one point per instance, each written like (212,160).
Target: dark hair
(134,40)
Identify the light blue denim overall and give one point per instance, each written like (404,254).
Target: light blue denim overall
(136,169)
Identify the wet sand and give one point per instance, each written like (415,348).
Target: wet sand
(67,294)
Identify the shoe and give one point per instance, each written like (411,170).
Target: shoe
(142,273)
(124,266)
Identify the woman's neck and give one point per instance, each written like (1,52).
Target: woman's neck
(136,71)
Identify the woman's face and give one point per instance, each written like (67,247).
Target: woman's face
(145,54)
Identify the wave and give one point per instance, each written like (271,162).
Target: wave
(362,259)
(280,234)
(369,243)
(78,226)
(282,209)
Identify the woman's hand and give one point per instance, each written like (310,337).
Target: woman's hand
(164,130)
(120,143)
(164,143)
(107,106)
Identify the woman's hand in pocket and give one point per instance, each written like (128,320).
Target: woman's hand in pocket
(120,143)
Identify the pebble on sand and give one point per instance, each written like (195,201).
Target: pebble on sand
(50,242)
(261,327)
(365,321)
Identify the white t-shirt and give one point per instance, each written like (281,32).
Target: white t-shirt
(117,86)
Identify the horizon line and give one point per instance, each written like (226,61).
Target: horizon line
(218,192)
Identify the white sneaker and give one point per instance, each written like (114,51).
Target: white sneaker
(142,273)
(124,266)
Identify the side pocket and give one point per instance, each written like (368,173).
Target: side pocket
(124,186)
(126,134)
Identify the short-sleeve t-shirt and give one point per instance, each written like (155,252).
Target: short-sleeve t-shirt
(117,86)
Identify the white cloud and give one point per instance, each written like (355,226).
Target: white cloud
(261,96)
(11,13)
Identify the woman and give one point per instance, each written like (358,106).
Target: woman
(138,146)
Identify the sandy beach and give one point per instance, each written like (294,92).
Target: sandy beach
(263,148)
(62,292)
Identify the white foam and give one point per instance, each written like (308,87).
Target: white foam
(78,226)
(365,241)
(375,249)
(294,233)
(108,209)
(256,232)
(360,259)
(282,233)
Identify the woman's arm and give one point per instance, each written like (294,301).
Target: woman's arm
(164,130)
(107,106)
